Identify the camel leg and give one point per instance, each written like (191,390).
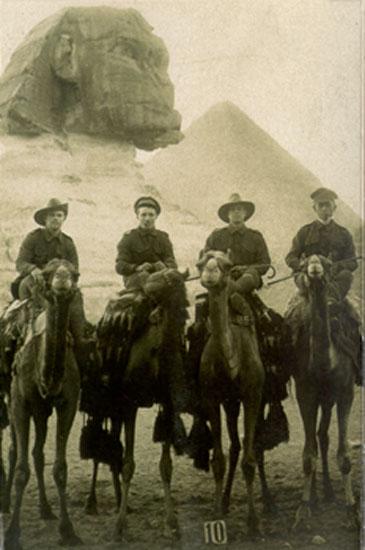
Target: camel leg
(21,416)
(269,505)
(115,432)
(12,462)
(171,521)
(40,423)
(308,406)
(343,456)
(2,474)
(127,472)
(65,416)
(232,412)
(91,504)
(218,462)
(251,411)
(323,437)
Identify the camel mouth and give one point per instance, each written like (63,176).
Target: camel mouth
(62,290)
(315,272)
(209,283)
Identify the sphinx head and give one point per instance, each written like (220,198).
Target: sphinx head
(96,70)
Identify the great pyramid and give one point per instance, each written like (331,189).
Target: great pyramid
(223,152)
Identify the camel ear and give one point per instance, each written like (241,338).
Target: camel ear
(202,260)
(326,262)
(185,274)
(230,255)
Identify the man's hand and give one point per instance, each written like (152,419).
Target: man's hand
(158,266)
(37,276)
(237,271)
(146,266)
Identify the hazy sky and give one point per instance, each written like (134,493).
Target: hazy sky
(294,66)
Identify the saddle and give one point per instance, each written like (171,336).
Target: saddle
(14,326)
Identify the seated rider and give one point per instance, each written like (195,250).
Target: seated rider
(38,248)
(246,247)
(327,238)
(146,250)
(250,257)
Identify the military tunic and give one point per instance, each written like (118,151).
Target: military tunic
(247,246)
(39,247)
(330,240)
(143,245)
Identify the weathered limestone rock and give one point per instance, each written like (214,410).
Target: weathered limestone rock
(98,71)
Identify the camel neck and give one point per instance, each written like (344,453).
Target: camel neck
(219,319)
(319,328)
(57,320)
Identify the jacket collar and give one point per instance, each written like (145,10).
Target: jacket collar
(143,231)
(234,229)
(49,237)
(319,223)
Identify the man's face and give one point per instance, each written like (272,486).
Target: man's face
(237,214)
(324,209)
(147,217)
(54,220)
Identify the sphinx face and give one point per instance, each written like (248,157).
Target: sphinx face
(98,71)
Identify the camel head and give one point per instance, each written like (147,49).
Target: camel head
(60,277)
(214,267)
(316,267)
(160,286)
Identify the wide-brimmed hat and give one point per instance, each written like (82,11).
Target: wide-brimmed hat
(234,200)
(150,202)
(323,194)
(53,204)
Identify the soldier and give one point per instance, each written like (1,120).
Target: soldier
(247,248)
(144,249)
(249,254)
(327,238)
(38,248)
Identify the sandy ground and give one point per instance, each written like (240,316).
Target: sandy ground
(193,495)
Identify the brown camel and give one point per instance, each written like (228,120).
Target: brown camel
(231,373)
(324,376)
(45,376)
(145,376)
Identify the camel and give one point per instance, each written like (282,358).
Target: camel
(324,376)
(231,373)
(45,377)
(143,377)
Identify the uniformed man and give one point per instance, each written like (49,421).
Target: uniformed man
(325,237)
(247,248)
(39,247)
(249,254)
(144,249)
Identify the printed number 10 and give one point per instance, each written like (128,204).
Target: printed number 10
(215,532)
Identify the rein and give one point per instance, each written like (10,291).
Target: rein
(287,277)
(258,266)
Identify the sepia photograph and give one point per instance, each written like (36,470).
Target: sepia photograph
(181,274)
